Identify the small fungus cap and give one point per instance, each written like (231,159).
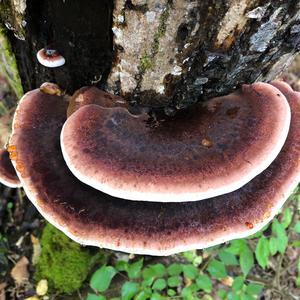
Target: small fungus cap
(50,58)
(210,150)
(92,95)
(8,175)
(91,217)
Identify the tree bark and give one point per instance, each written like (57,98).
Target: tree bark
(164,54)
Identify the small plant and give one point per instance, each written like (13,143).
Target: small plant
(226,272)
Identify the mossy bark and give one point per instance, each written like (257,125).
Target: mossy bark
(8,65)
(160,53)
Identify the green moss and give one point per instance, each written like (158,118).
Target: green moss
(146,63)
(64,263)
(161,30)
(8,65)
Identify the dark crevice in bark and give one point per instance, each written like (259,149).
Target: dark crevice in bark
(79,30)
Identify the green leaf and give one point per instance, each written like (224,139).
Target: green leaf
(156,296)
(122,265)
(171,293)
(279,230)
(174,281)
(233,296)
(129,290)
(197,261)
(190,255)
(247,297)
(228,258)
(174,269)
(273,245)
(254,289)
(296,244)
(238,283)
(95,297)
(159,270)
(246,259)
(143,295)
(134,270)
(187,293)
(287,218)
(297,227)
(154,271)
(204,283)
(190,271)
(222,294)
(149,274)
(147,282)
(262,252)
(102,278)
(236,246)
(159,284)
(217,269)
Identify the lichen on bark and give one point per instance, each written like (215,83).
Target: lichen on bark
(148,40)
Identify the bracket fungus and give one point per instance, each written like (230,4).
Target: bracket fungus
(50,58)
(93,217)
(209,150)
(92,95)
(8,175)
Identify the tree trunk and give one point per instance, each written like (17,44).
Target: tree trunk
(160,53)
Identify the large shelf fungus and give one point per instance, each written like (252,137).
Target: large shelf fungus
(93,217)
(209,150)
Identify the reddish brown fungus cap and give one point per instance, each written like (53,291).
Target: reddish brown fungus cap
(8,175)
(93,218)
(210,150)
(50,58)
(92,95)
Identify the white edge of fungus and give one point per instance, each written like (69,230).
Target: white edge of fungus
(9,183)
(230,186)
(220,239)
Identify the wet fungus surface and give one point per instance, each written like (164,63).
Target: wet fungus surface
(92,217)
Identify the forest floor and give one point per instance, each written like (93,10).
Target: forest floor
(38,262)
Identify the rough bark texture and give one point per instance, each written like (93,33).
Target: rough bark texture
(162,53)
